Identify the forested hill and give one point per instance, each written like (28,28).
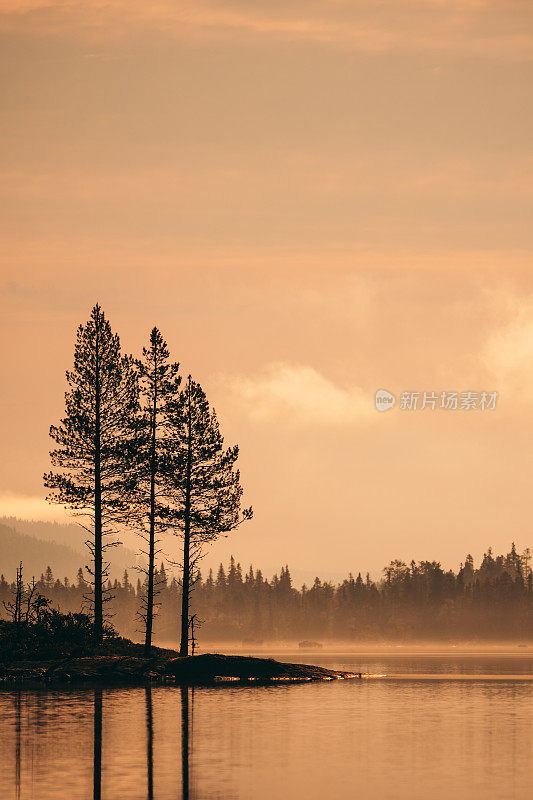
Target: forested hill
(39,544)
(70,534)
(34,553)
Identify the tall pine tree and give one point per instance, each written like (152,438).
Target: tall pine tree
(159,386)
(206,487)
(92,454)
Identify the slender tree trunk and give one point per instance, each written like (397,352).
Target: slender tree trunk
(98,552)
(18,597)
(184,647)
(151,548)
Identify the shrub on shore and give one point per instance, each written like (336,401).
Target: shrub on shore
(52,635)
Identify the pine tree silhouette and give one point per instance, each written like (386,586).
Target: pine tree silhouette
(206,489)
(159,387)
(94,445)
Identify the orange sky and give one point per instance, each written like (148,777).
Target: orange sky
(313,201)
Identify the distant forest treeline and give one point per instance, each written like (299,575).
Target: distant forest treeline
(412,601)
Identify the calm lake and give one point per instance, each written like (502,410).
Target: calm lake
(423,725)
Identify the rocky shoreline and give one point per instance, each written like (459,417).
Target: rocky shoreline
(207,669)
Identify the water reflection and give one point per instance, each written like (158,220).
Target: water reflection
(97,749)
(470,738)
(187,706)
(149,743)
(185,742)
(18,707)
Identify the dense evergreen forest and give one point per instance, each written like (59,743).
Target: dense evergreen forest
(411,601)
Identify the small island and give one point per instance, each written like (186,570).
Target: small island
(206,669)
(41,654)
(59,649)
(138,449)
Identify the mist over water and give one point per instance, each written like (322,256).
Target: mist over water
(422,724)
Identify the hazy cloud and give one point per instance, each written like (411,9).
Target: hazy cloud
(300,394)
(509,351)
(31,508)
(498,28)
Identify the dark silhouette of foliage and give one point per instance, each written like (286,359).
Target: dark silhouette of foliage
(92,439)
(51,635)
(159,386)
(26,604)
(206,488)
(419,601)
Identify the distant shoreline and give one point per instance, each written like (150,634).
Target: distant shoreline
(511,647)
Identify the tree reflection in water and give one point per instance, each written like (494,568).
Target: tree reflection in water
(186,742)
(97,749)
(18,709)
(149,743)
